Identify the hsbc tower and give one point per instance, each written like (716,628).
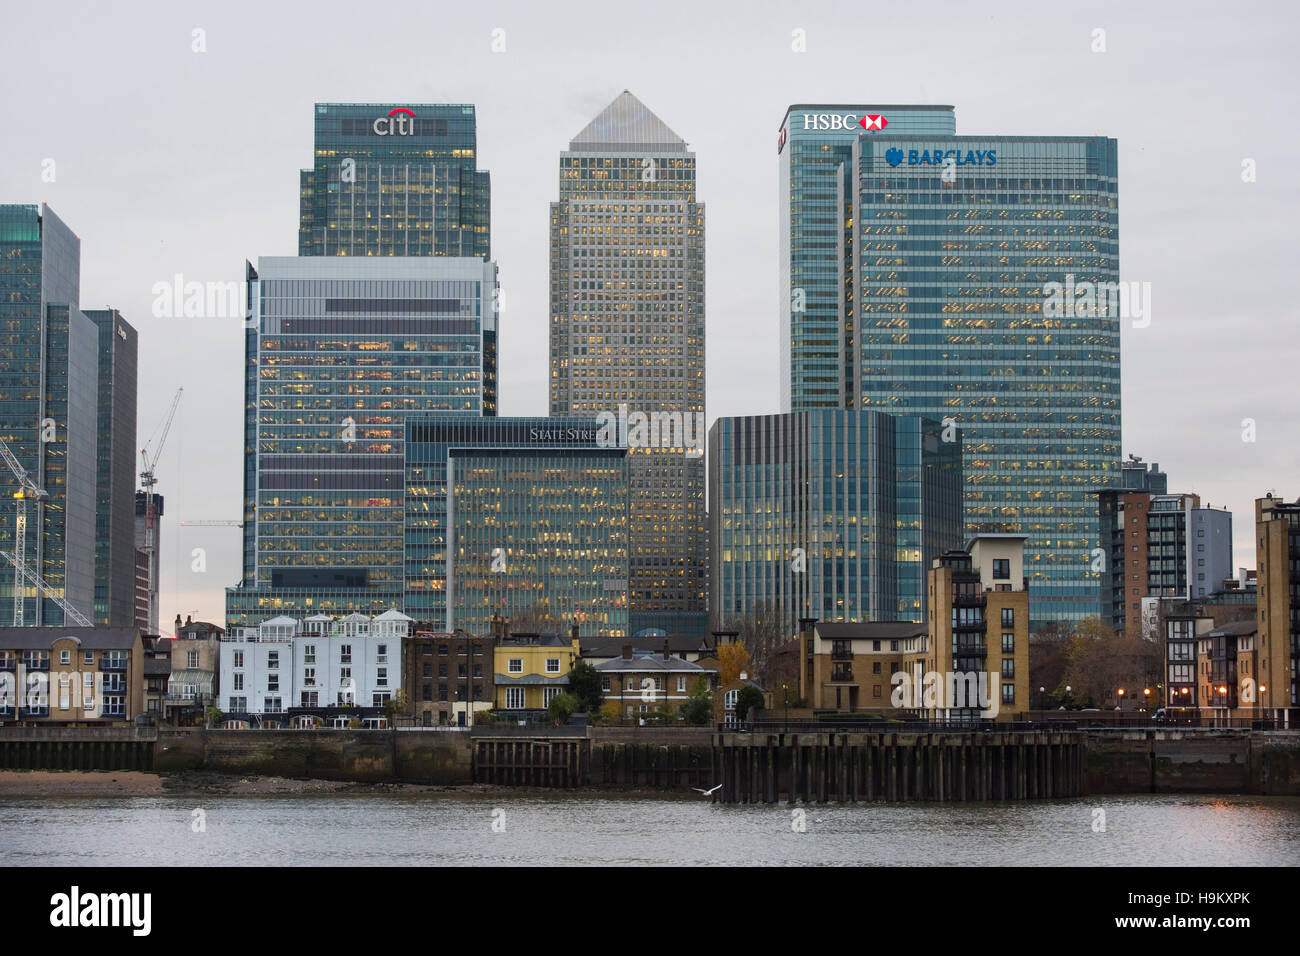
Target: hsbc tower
(916,269)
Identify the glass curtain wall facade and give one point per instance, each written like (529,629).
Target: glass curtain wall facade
(341,351)
(395,179)
(627,331)
(48,410)
(938,251)
(814,150)
(115,475)
(513,515)
(832,514)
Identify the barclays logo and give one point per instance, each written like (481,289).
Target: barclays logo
(940,157)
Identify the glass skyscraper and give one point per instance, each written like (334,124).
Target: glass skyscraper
(395,179)
(627,330)
(49,375)
(831,514)
(341,351)
(942,249)
(509,515)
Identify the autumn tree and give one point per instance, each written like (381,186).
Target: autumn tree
(732,659)
(762,630)
(1100,661)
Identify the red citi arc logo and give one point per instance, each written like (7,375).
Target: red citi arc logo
(396,124)
(870,122)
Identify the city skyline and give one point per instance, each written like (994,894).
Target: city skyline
(1185,212)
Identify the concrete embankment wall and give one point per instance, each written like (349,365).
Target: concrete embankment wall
(1172,761)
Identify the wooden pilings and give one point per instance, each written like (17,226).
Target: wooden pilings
(848,767)
(55,754)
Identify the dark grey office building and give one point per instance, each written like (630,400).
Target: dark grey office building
(115,471)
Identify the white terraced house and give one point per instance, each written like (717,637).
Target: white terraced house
(287,672)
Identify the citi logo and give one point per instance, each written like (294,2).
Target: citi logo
(395,123)
(75,909)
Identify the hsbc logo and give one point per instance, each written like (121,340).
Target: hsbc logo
(844,121)
(399,122)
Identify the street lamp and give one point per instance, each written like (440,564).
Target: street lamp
(1120,706)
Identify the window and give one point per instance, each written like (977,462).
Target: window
(309,676)
(875,667)
(271,705)
(238,705)
(381,654)
(345,653)
(379,699)
(1009,668)
(681,685)
(309,654)
(65,657)
(548,693)
(515,666)
(88,659)
(442,668)
(1008,643)
(1008,617)
(552,665)
(239,681)
(875,690)
(428,669)
(442,692)
(875,645)
(1008,693)
(272,681)
(192,659)
(1002,569)
(604,684)
(273,660)
(514,698)
(311,698)
(239,659)
(428,693)
(893,645)
(381,678)
(442,650)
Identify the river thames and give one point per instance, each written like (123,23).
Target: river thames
(576,829)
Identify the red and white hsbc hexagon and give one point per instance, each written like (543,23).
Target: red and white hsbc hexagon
(833,121)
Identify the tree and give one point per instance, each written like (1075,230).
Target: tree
(749,697)
(1048,658)
(537,620)
(215,717)
(398,704)
(698,709)
(762,630)
(1101,661)
(584,684)
(732,659)
(561,706)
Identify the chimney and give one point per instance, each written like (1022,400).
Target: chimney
(188,622)
(667,656)
(627,650)
(573,632)
(177,632)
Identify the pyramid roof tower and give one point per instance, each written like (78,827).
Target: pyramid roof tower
(627,124)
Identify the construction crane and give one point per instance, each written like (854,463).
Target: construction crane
(147,482)
(27,488)
(70,613)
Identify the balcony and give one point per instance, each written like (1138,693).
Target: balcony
(108,663)
(970,600)
(842,674)
(36,663)
(842,654)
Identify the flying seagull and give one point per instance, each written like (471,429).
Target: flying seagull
(708,793)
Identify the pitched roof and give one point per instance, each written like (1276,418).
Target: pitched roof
(653,662)
(613,646)
(90,638)
(1235,629)
(869,630)
(627,123)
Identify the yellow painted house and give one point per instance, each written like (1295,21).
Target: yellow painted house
(531,669)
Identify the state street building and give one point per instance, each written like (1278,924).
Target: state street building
(509,515)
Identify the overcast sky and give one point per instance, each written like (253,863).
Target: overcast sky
(170,161)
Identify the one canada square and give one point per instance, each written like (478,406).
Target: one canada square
(627,337)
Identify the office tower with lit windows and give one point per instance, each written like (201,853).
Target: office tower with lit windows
(917,271)
(340,352)
(627,337)
(522,517)
(395,179)
(830,514)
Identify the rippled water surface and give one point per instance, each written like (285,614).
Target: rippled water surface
(578,829)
